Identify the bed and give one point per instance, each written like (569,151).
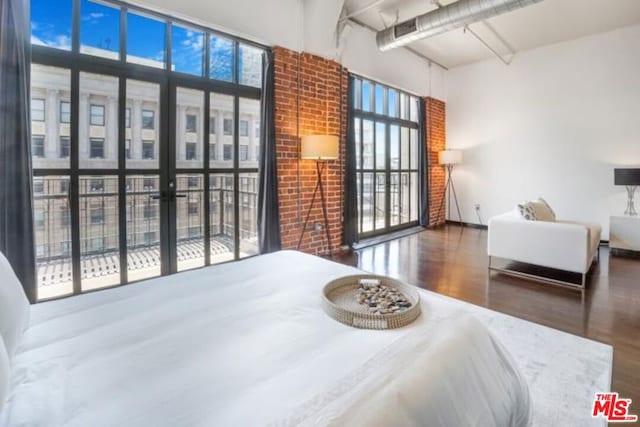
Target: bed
(247,343)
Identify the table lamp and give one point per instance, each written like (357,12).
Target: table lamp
(630,178)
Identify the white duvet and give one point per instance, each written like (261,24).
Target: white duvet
(247,343)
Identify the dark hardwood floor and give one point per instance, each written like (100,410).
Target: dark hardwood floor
(452,261)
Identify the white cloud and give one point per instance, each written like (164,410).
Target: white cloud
(35,40)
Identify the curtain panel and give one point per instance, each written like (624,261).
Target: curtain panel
(16,198)
(268,212)
(423,167)
(350,179)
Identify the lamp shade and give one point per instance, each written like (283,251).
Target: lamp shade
(450,157)
(319,147)
(627,176)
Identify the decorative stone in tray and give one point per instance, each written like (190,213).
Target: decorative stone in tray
(371,302)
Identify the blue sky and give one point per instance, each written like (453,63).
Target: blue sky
(100,28)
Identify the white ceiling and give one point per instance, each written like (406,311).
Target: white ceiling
(547,22)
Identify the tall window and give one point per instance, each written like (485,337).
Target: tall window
(228,126)
(37,110)
(192,123)
(65,147)
(97,115)
(65,112)
(244,128)
(148,119)
(141,88)
(37,146)
(148,150)
(386,130)
(97,148)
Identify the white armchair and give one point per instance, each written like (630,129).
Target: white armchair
(562,245)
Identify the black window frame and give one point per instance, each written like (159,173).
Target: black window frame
(357,111)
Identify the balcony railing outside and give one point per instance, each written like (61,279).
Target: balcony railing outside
(100,255)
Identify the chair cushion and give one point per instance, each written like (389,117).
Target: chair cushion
(14,307)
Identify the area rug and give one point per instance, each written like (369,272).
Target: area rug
(563,371)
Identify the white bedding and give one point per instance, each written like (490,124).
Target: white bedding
(247,344)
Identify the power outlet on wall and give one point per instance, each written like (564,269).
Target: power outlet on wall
(317,226)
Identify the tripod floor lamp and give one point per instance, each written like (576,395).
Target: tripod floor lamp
(449,158)
(319,148)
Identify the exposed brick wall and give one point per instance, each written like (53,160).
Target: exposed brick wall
(436,141)
(322,101)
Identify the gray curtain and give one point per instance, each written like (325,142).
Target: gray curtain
(423,168)
(350,180)
(268,213)
(16,200)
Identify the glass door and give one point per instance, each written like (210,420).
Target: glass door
(212,176)
(385,136)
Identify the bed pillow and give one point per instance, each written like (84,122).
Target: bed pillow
(14,307)
(4,375)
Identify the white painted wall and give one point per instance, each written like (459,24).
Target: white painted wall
(555,123)
(309,25)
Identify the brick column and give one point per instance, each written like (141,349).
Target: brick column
(310,99)
(436,141)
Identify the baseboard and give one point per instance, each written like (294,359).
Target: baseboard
(624,253)
(467,224)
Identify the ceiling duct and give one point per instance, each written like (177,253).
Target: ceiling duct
(446,18)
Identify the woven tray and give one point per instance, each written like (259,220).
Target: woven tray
(340,302)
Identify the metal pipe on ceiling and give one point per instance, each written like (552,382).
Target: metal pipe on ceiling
(446,18)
